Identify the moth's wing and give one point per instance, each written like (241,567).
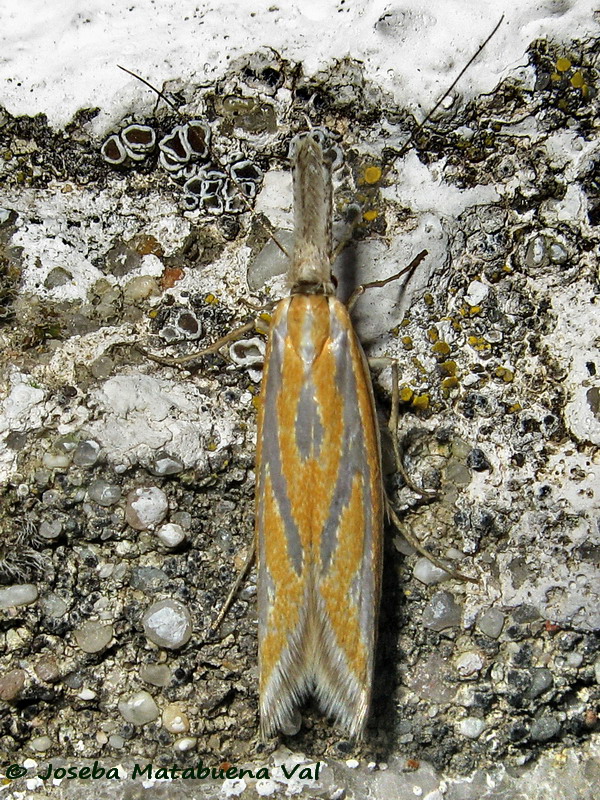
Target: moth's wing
(319,517)
(348,577)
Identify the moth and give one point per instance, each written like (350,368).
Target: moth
(319,492)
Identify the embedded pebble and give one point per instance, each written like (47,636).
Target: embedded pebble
(148,579)
(164,464)
(442,612)
(104,493)
(86,453)
(146,507)
(171,535)
(469,664)
(168,623)
(544,728)
(471,727)
(139,708)
(50,529)
(56,460)
(19,594)
(93,636)
(102,367)
(116,741)
(53,605)
(428,573)
(12,684)
(140,288)
(155,674)
(185,743)
(541,680)
(121,259)
(476,293)
(491,622)
(40,743)
(174,719)
(477,460)
(47,669)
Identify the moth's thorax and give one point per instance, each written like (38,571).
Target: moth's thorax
(310,268)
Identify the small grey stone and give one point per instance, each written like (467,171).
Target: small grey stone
(168,623)
(57,277)
(93,636)
(86,454)
(156,674)
(544,728)
(171,535)
(139,708)
(490,622)
(148,579)
(471,727)
(50,528)
(40,743)
(541,680)
(102,367)
(165,464)
(53,606)
(428,573)
(104,493)
(121,259)
(19,594)
(442,612)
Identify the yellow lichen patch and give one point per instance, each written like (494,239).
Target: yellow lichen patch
(505,374)
(211,299)
(405,322)
(563,64)
(441,348)
(372,174)
(370,215)
(448,368)
(153,314)
(428,299)
(478,343)
(450,383)
(577,80)
(407,342)
(433,335)
(257,402)
(265,317)
(420,402)
(514,408)
(473,310)
(406,394)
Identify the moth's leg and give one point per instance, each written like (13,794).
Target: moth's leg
(216,624)
(428,494)
(238,333)
(384,281)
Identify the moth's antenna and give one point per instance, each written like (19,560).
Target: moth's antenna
(432,111)
(162,95)
(236,183)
